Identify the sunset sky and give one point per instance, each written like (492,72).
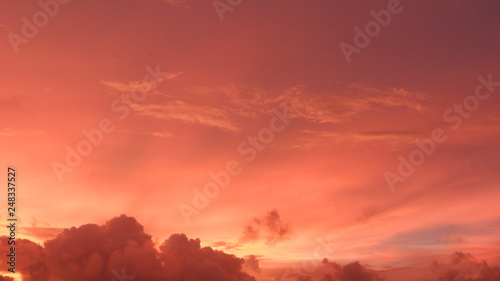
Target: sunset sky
(330,132)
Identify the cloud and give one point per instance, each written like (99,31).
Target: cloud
(9,132)
(186,260)
(391,97)
(124,87)
(133,86)
(161,134)
(332,106)
(269,227)
(43,233)
(158,134)
(175,109)
(252,264)
(33,266)
(252,267)
(311,138)
(6,278)
(239,99)
(356,272)
(345,103)
(188,113)
(329,271)
(464,267)
(386,134)
(226,245)
(224,106)
(121,248)
(460,257)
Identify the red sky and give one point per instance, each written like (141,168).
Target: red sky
(219,82)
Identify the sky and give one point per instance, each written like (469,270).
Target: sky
(252,140)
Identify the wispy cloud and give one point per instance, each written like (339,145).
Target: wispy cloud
(223,106)
(161,134)
(311,138)
(189,113)
(42,233)
(9,132)
(158,134)
(238,99)
(346,103)
(128,87)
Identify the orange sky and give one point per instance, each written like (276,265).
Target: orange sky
(219,83)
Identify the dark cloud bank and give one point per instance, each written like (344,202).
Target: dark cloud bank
(120,250)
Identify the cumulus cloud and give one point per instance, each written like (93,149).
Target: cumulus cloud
(121,249)
(356,272)
(353,271)
(330,271)
(33,266)
(188,261)
(269,227)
